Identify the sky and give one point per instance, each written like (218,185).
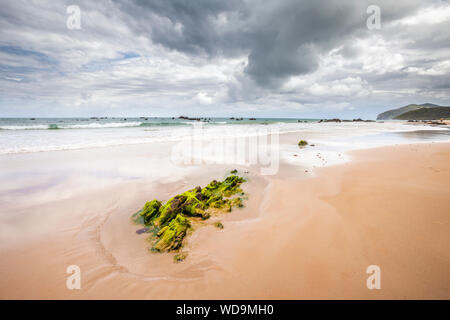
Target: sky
(281,58)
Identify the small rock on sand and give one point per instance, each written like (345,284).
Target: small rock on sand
(142,230)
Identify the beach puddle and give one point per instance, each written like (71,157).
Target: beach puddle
(130,249)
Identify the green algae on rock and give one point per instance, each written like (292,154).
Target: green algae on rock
(171,236)
(218,225)
(180,257)
(150,209)
(302,143)
(169,222)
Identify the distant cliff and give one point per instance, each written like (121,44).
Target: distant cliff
(426,114)
(395,113)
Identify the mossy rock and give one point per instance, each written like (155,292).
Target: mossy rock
(302,143)
(171,236)
(169,221)
(180,257)
(237,202)
(218,225)
(150,210)
(192,203)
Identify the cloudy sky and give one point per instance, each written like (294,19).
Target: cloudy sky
(281,58)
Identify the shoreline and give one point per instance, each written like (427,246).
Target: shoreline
(140,136)
(264,255)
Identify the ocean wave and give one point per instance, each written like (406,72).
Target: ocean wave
(330,135)
(103,125)
(21,127)
(123,124)
(156,124)
(53,126)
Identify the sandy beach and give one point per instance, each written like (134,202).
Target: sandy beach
(300,236)
(225,150)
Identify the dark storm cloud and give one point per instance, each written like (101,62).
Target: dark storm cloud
(187,26)
(282,38)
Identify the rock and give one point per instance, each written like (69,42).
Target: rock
(150,210)
(218,225)
(180,257)
(330,120)
(171,236)
(361,120)
(142,230)
(302,143)
(169,221)
(237,202)
(189,118)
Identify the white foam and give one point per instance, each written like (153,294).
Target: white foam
(331,135)
(72,126)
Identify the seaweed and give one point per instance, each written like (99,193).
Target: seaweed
(218,225)
(168,223)
(150,209)
(171,236)
(180,257)
(302,143)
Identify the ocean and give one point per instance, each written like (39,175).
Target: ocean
(21,135)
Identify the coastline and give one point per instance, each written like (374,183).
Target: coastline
(312,237)
(216,159)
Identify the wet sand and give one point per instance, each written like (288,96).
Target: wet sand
(305,237)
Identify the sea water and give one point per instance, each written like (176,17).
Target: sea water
(19,135)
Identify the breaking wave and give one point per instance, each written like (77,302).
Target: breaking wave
(53,126)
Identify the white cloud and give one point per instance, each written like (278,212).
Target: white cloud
(203,98)
(430,15)
(439,69)
(348,87)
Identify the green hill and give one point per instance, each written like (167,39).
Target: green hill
(434,113)
(392,114)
